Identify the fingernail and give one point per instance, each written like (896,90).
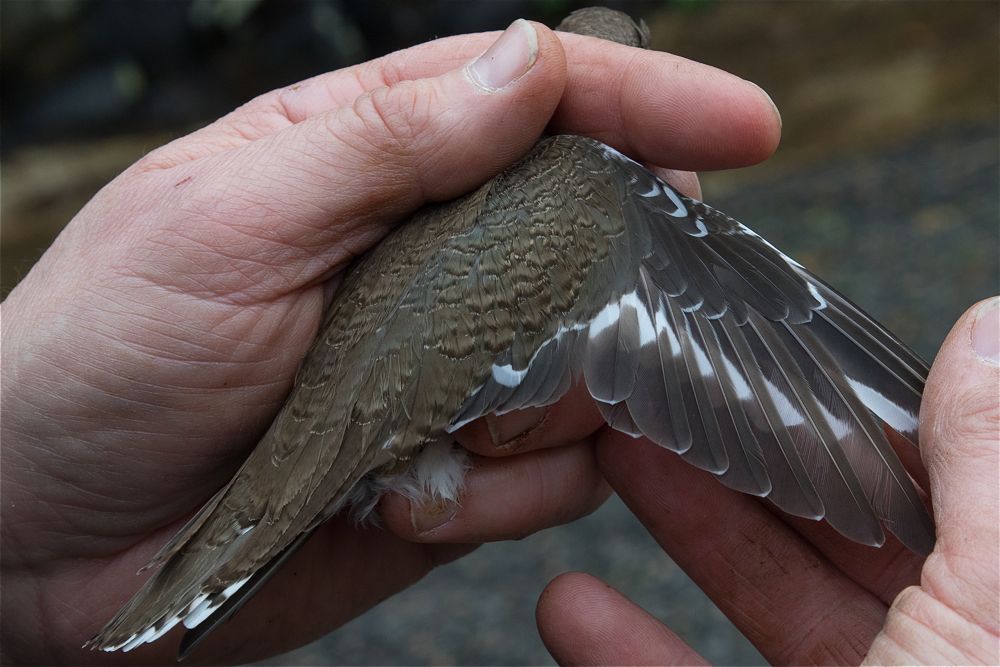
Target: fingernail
(425,517)
(986,331)
(768,98)
(505,429)
(510,57)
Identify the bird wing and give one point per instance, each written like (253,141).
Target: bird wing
(710,342)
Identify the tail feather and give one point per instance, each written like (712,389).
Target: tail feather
(199,629)
(184,590)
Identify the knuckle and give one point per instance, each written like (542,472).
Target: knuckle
(395,119)
(948,633)
(907,599)
(960,578)
(818,641)
(391,70)
(970,416)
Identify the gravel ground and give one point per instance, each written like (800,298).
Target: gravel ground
(910,233)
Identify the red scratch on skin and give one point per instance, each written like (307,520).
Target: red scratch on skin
(186,179)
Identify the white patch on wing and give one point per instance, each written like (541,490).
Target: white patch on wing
(233,587)
(681,210)
(510,377)
(199,606)
(663,325)
(841,429)
(816,295)
(888,411)
(604,319)
(704,364)
(702,229)
(653,191)
(195,603)
(507,376)
(198,614)
(694,306)
(647,333)
(790,416)
(152,633)
(738,382)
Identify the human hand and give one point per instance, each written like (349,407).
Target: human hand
(149,348)
(799,591)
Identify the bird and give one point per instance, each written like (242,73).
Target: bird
(576,265)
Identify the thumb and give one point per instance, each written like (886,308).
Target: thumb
(960,430)
(303,201)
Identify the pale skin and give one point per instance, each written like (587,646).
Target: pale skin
(150,347)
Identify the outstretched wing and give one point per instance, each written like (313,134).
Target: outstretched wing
(714,344)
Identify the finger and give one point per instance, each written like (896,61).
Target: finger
(959,427)
(884,571)
(506,498)
(663,109)
(783,595)
(278,109)
(583,621)
(573,418)
(657,107)
(299,204)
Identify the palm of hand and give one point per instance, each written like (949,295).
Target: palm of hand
(195,348)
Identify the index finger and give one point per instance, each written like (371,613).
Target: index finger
(792,603)
(655,106)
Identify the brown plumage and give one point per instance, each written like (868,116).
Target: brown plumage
(576,262)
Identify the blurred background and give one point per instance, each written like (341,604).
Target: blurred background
(886,184)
